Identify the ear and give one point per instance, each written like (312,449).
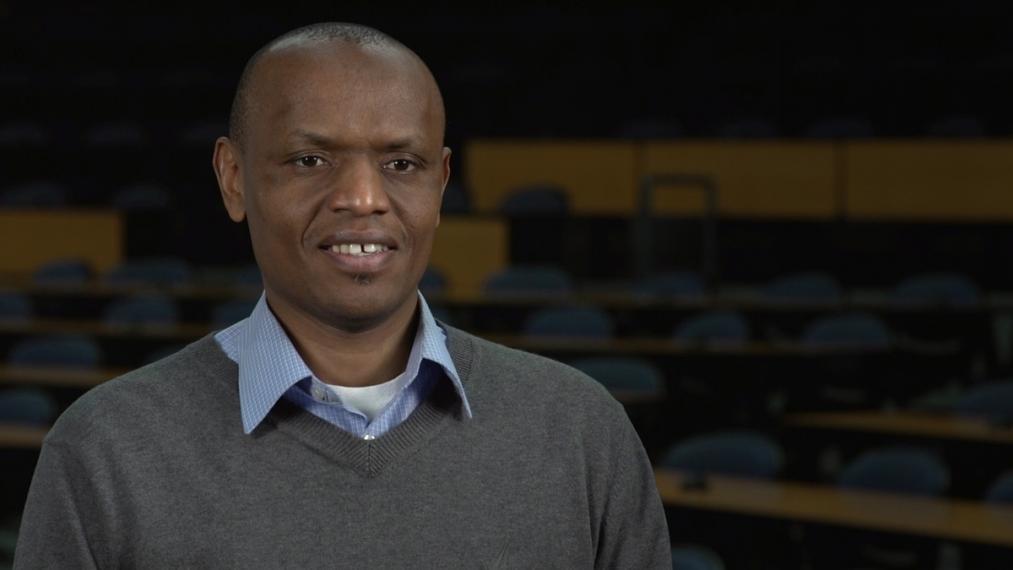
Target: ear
(446,178)
(230,179)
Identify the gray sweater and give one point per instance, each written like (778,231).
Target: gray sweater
(153,470)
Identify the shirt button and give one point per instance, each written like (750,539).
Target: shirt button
(369,437)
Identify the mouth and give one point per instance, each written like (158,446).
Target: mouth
(359,257)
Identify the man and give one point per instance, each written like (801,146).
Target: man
(340,425)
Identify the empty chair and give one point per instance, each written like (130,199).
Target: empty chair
(141,197)
(536,200)
(956,126)
(809,287)
(674,284)
(116,134)
(15,306)
(231,312)
(575,322)
(858,330)
(26,406)
(153,271)
(1001,490)
(749,128)
(528,281)
(734,453)
(937,289)
(896,470)
(694,557)
(59,350)
(142,310)
(23,133)
(713,328)
(992,402)
(63,272)
(37,194)
(623,373)
(840,127)
(433,281)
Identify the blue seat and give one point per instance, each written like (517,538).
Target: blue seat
(520,280)
(623,373)
(152,271)
(140,197)
(27,406)
(38,194)
(575,322)
(992,402)
(713,328)
(809,287)
(734,453)
(896,470)
(674,284)
(1001,490)
(433,281)
(15,306)
(858,330)
(536,200)
(59,350)
(142,310)
(231,312)
(63,272)
(694,557)
(950,289)
(22,134)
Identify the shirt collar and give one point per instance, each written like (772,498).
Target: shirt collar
(269,364)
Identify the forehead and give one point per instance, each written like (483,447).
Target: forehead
(361,91)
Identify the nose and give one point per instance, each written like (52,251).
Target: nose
(358,188)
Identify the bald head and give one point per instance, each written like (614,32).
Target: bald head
(324,36)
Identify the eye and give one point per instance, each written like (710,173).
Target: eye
(311,161)
(401,165)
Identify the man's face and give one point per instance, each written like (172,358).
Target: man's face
(341,170)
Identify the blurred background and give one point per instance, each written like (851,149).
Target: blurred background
(778,232)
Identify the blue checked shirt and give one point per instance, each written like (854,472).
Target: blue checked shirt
(270,368)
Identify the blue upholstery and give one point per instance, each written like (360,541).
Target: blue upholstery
(63,271)
(859,330)
(15,306)
(29,406)
(735,453)
(535,200)
(937,289)
(623,373)
(59,350)
(575,322)
(1001,490)
(38,194)
(152,271)
(714,327)
(528,280)
(993,402)
(810,287)
(896,470)
(433,281)
(677,284)
(141,310)
(693,557)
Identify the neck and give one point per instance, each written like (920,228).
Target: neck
(360,358)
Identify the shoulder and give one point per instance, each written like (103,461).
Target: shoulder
(173,387)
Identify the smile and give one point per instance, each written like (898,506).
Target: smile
(358,249)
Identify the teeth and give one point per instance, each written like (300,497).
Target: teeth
(358,249)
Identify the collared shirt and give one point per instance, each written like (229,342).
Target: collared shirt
(270,368)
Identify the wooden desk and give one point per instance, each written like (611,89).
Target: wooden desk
(928,517)
(938,426)
(21,437)
(55,376)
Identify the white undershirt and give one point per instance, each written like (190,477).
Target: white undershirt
(369,400)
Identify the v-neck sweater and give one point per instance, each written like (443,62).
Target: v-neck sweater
(153,470)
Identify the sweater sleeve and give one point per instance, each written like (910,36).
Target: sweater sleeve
(633,532)
(54,528)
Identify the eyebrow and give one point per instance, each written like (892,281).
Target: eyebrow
(317,139)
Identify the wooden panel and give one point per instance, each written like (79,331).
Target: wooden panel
(930,180)
(756,179)
(31,238)
(599,177)
(467,250)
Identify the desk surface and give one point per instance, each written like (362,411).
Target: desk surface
(929,517)
(21,437)
(919,424)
